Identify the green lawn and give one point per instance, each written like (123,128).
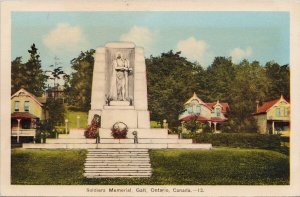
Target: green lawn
(72,117)
(222,166)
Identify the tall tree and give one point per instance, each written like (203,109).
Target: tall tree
(280,80)
(29,75)
(250,84)
(171,81)
(220,75)
(18,79)
(81,80)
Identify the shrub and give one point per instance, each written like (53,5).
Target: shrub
(44,129)
(242,140)
(192,125)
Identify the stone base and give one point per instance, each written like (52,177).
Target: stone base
(119,103)
(132,118)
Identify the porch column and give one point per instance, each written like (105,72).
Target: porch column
(215,127)
(31,123)
(18,131)
(209,123)
(273,127)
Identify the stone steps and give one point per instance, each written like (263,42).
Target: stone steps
(117,141)
(104,146)
(113,163)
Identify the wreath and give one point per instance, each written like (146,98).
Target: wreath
(119,130)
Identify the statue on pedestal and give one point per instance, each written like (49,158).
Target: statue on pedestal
(119,78)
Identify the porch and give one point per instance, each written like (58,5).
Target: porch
(23,124)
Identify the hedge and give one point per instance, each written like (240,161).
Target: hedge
(242,140)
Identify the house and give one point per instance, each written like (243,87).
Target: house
(211,113)
(26,111)
(273,117)
(55,92)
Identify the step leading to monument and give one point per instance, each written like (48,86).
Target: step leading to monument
(113,163)
(103,146)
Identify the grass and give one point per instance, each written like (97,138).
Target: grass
(222,166)
(155,124)
(72,117)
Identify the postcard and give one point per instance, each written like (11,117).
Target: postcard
(150,98)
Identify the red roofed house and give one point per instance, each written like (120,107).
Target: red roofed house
(26,111)
(212,113)
(273,117)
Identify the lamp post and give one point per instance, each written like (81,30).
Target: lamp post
(18,131)
(78,121)
(66,121)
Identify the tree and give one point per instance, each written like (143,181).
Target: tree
(193,125)
(79,94)
(56,111)
(249,85)
(280,80)
(29,75)
(171,80)
(17,75)
(219,78)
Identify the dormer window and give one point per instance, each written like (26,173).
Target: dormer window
(198,110)
(218,112)
(190,109)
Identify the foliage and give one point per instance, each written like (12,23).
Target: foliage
(28,75)
(280,78)
(56,74)
(241,140)
(155,124)
(56,110)
(221,166)
(171,81)
(92,131)
(192,125)
(79,92)
(44,129)
(219,80)
(251,84)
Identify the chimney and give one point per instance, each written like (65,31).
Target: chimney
(257,105)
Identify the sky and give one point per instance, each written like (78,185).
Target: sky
(200,36)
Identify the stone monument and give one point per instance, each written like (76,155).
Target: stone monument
(119,88)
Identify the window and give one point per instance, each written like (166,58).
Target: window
(278,112)
(190,110)
(218,112)
(286,111)
(17,103)
(26,106)
(198,110)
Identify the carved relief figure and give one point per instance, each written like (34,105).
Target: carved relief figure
(119,80)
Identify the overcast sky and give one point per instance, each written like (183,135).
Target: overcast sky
(201,36)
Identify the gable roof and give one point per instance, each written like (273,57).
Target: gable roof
(225,106)
(195,97)
(22,90)
(268,105)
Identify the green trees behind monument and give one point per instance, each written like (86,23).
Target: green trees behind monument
(28,75)
(171,80)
